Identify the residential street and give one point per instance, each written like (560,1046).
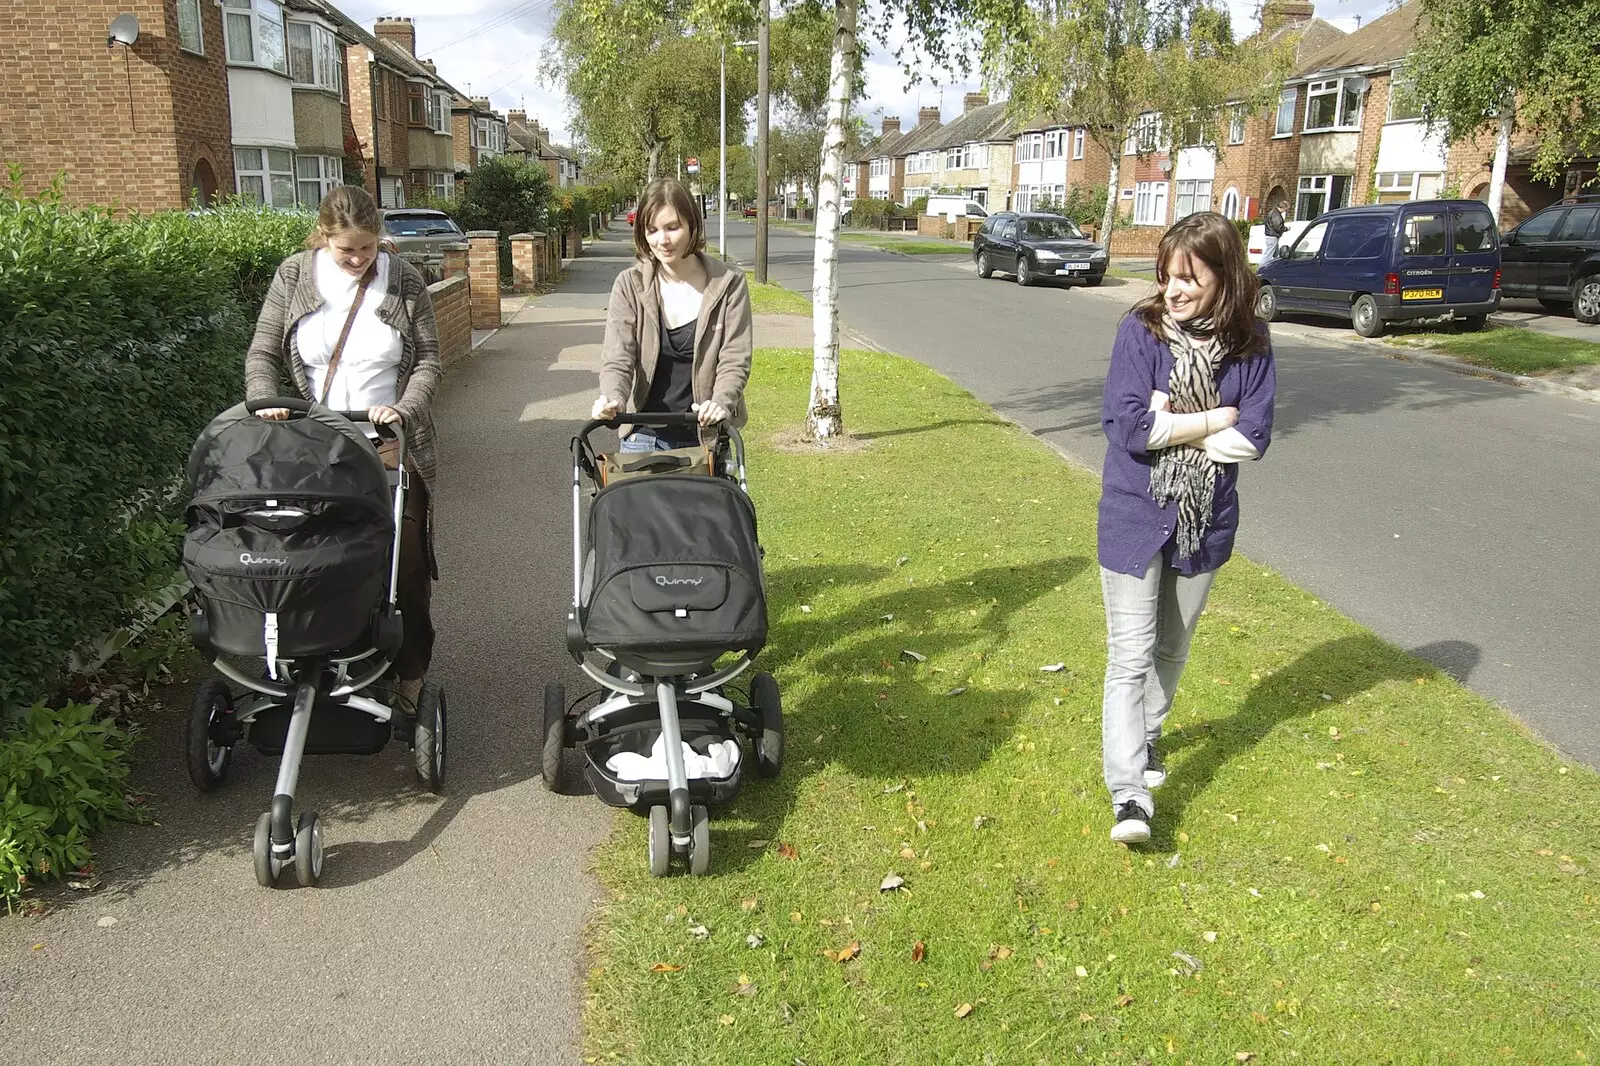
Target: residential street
(1453,516)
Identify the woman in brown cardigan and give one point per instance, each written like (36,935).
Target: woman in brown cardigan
(388,366)
(677,328)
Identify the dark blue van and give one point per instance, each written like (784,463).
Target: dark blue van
(1389,263)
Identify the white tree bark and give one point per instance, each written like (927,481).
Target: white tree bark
(1502,150)
(1108,217)
(824,417)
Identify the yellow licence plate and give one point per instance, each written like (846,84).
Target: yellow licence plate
(1423,294)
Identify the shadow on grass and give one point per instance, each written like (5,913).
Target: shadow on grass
(880,717)
(1338,669)
(931,428)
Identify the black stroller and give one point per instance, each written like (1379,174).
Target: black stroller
(293,546)
(670,583)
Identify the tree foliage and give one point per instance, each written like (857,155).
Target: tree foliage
(1474,56)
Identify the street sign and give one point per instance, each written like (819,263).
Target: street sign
(692,165)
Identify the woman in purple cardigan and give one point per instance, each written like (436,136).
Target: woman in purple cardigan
(1188,397)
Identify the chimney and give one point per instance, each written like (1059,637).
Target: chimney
(891,125)
(397,31)
(518,116)
(928,116)
(481,103)
(1280,14)
(972,100)
(431,68)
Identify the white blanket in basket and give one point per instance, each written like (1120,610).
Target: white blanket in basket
(631,766)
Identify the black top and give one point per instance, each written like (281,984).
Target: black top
(672,387)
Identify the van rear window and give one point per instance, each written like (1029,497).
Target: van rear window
(1423,235)
(1474,232)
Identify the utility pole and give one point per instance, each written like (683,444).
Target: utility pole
(722,161)
(763,40)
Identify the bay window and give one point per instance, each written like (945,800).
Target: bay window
(315,58)
(316,176)
(265,175)
(1150,203)
(1334,104)
(254,34)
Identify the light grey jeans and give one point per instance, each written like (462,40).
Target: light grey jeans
(1149,623)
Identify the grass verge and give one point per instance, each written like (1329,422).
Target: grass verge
(769,299)
(1356,860)
(908,245)
(1511,349)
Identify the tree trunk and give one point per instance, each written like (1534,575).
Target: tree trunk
(1108,217)
(653,168)
(824,417)
(1502,149)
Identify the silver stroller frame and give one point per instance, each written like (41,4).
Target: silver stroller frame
(684,828)
(306,683)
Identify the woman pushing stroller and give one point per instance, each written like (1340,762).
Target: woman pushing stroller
(677,329)
(353,329)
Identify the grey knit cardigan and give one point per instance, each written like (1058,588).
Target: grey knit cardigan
(406,307)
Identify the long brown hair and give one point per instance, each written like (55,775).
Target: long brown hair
(1214,241)
(345,207)
(661,193)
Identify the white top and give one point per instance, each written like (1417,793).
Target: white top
(1224,446)
(369,370)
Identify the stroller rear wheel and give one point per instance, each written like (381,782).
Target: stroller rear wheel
(428,744)
(769,708)
(699,841)
(555,735)
(660,838)
(207,760)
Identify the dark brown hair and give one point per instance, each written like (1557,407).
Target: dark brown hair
(661,193)
(345,207)
(1214,241)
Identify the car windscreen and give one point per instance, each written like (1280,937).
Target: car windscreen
(1053,229)
(419,225)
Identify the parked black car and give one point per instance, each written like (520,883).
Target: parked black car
(1037,248)
(1554,257)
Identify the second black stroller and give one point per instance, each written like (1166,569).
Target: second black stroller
(293,546)
(667,582)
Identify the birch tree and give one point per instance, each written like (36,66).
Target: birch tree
(1521,66)
(1149,72)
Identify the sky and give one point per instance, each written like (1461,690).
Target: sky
(492,47)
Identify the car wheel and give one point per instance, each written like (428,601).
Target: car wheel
(1024,275)
(1586,299)
(1267,304)
(1473,323)
(984,269)
(1364,316)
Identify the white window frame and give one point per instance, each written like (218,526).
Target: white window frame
(326,57)
(1055,144)
(1190,196)
(443,184)
(198,47)
(1396,82)
(441,113)
(1077,143)
(1150,203)
(1144,136)
(259,16)
(1312,185)
(275,185)
(1287,99)
(1236,124)
(1334,87)
(328,173)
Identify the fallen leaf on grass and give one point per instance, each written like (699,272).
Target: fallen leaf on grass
(919,951)
(1073,904)
(908,853)
(1124,1000)
(786,851)
(1244,1056)
(913,656)
(796,916)
(699,932)
(889,790)
(1053,668)
(1209,937)
(980,821)
(958,690)
(748,905)
(755,940)
(891,882)
(1001,953)
(726,1019)
(746,987)
(665,967)
(757,845)
(1081,971)
(846,953)
(963,1010)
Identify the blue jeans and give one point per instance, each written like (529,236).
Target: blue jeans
(1150,621)
(656,440)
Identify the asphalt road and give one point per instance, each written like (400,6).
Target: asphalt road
(446,929)
(1453,516)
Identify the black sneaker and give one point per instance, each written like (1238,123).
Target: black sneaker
(1155,771)
(1133,824)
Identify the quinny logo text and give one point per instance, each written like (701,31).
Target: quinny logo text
(260,560)
(665,581)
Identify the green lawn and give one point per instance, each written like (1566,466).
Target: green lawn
(907,245)
(1356,860)
(1511,349)
(769,299)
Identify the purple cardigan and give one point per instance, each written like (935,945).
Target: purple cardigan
(1133,527)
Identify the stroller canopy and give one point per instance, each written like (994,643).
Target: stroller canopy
(319,454)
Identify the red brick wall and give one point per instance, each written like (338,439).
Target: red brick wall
(1374,111)
(452,311)
(126,124)
(393,154)
(483,270)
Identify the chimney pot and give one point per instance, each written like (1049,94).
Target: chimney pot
(974,100)
(399,31)
(928,116)
(891,125)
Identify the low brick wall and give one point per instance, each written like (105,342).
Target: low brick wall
(1137,240)
(452,310)
(932,226)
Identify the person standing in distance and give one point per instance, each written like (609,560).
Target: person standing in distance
(1276,224)
(1188,396)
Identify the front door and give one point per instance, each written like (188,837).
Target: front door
(1296,279)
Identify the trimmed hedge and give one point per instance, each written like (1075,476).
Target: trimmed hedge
(119,341)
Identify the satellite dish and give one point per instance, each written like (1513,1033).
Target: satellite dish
(1359,83)
(124,30)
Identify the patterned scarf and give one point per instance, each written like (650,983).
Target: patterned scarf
(1185,473)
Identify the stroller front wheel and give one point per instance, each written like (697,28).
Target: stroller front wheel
(769,710)
(308,850)
(660,841)
(266,866)
(699,841)
(428,744)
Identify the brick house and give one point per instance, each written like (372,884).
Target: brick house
(1051,159)
(479,132)
(145,125)
(877,167)
(972,155)
(317,36)
(531,141)
(401,109)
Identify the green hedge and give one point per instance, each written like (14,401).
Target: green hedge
(119,340)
